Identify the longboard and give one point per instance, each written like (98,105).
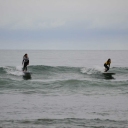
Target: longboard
(27,73)
(109,73)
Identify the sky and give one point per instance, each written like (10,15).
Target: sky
(64,24)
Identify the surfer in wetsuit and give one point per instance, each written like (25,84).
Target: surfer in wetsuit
(107,65)
(25,62)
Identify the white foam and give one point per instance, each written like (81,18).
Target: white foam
(17,71)
(99,68)
(94,70)
(19,68)
(88,70)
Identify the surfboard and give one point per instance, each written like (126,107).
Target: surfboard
(109,73)
(27,73)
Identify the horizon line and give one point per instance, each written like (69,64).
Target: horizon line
(72,49)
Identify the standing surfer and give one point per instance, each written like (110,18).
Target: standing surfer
(25,62)
(107,65)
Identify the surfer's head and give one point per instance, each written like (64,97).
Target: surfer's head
(26,55)
(109,60)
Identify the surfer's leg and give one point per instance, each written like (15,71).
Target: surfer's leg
(106,67)
(25,67)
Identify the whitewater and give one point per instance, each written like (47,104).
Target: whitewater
(66,89)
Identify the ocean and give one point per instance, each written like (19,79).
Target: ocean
(66,89)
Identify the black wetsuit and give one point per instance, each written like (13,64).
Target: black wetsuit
(26,62)
(107,68)
(106,65)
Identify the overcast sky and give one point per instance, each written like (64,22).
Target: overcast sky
(64,24)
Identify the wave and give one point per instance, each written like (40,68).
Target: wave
(53,80)
(120,70)
(60,69)
(66,122)
(58,73)
(68,85)
(17,71)
(80,70)
(57,69)
(2,70)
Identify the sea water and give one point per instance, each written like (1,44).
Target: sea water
(66,89)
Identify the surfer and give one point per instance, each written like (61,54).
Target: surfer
(107,65)
(25,62)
